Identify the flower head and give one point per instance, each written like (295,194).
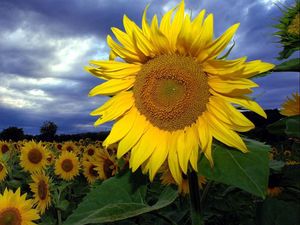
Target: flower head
(41,189)
(33,156)
(67,165)
(291,107)
(15,209)
(171,94)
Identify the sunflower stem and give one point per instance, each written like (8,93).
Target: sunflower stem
(195,205)
(59,222)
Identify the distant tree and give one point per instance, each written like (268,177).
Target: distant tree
(48,131)
(13,133)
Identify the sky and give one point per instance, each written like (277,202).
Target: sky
(44,46)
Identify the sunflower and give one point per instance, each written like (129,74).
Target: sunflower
(16,210)
(67,165)
(90,172)
(50,158)
(4,147)
(291,107)
(167,179)
(171,94)
(33,156)
(288,30)
(70,147)
(106,164)
(3,171)
(90,150)
(41,190)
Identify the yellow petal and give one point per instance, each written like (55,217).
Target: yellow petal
(159,155)
(181,152)
(122,103)
(173,161)
(123,38)
(193,144)
(217,46)
(205,138)
(165,24)
(145,25)
(144,148)
(139,126)
(185,39)
(255,67)
(112,87)
(223,134)
(224,67)
(159,40)
(127,55)
(176,25)
(243,101)
(120,128)
(113,69)
(204,37)
(229,85)
(197,24)
(141,43)
(231,118)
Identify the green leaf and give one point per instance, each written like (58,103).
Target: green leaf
(228,52)
(290,65)
(248,171)
(276,165)
(275,211)
(63,205)
(293,127)
(118,198)
(286,126)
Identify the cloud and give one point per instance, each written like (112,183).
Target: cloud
(44,46)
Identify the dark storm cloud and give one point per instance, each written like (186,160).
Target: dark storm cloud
(79,17)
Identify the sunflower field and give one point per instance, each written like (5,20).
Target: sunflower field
(182,149)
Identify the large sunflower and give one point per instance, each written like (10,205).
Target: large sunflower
(291,107)
(41,189)
(171,94)
(15,209)
(67,165)
(33,156)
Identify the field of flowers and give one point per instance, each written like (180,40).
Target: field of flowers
(82,182)
(176,153)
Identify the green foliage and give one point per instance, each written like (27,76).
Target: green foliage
(292,65)
(289,126)
(12,133)
(248,171)
(290,42)
(275,211)
(118,198)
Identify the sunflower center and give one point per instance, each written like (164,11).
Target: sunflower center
(92,171)
(35,156)
(69,149)
(1,167)
(108,167)
(90,151)
(42,189)
(67,165)
(10,216)
(171,91)
(4,148)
